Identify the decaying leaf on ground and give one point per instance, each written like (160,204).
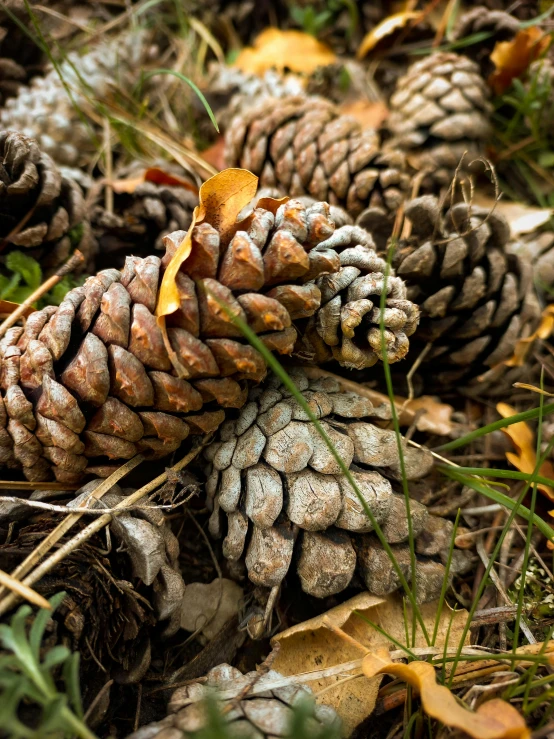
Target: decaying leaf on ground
(312,645)
(513,58)
(157,175)
(386,28)
(276,49)
(525,458)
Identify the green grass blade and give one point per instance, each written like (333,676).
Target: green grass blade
(445,583)
(189,82)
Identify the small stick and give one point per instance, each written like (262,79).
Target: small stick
(97,525)
(22,590)
(63,527)
(72,263)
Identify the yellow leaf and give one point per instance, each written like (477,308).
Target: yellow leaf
(387,27)
(276,49)
(312,645)
(495,719)
(543,331)
(222,198)
(157,175)
(525,458)
(437,418)
(512,58)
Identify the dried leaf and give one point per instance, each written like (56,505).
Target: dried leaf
(386,28)
(512,58)
(215,154)
(521,218)
(208,606)
(222,197)
(153,174)
(276,49)
(495,719)
(7,308)
(437,418)
(370,114)
(313,646)
(543,331)
(523,438)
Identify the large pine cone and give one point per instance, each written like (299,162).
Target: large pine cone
(440,110)
(476,298)
(285,499)
(304,146)
(45,111)
(141,218)
(41,211)
(265,714)
(93,379)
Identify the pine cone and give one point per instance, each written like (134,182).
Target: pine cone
(275,481)
(141,218)
(41,211)
(497,24)
(305,146)
(45,111)
(265,714)
(114,598)
(93,378)
(440,110)
(523,10)
(19,56)
(476,297)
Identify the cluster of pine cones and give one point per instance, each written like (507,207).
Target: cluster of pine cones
(96,379)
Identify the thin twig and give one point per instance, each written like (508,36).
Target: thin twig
(72,263)
(97,525)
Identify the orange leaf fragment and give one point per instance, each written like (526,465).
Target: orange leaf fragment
(512,58)
(369,114)
(525,458)
(386,28)
(543,331)
(495,719)
(7,308)
(157,175)
(276,49)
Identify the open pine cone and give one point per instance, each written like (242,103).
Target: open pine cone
(141,218)
(476,298)
(440,110)
(257,711)
(93,379)
(287,503)
(304,146)
(41,211)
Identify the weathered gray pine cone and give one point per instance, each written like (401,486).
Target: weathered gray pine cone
(44,111)
(497,24)
(115,597)
(476,297)
(141,218)
(304,146)
(347,325)
(280,500)
(440,110)
(261,712)
(93,380)
(41,211)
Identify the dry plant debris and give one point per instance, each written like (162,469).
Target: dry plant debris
(272,453)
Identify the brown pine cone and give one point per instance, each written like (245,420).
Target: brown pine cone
(476,298)
(19,56)
(523,10)
(304,146)
(41,211)
(496,24)
(251,708)
(93,378)
(141,218)
(285,499)
(115,595)
(440,110)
